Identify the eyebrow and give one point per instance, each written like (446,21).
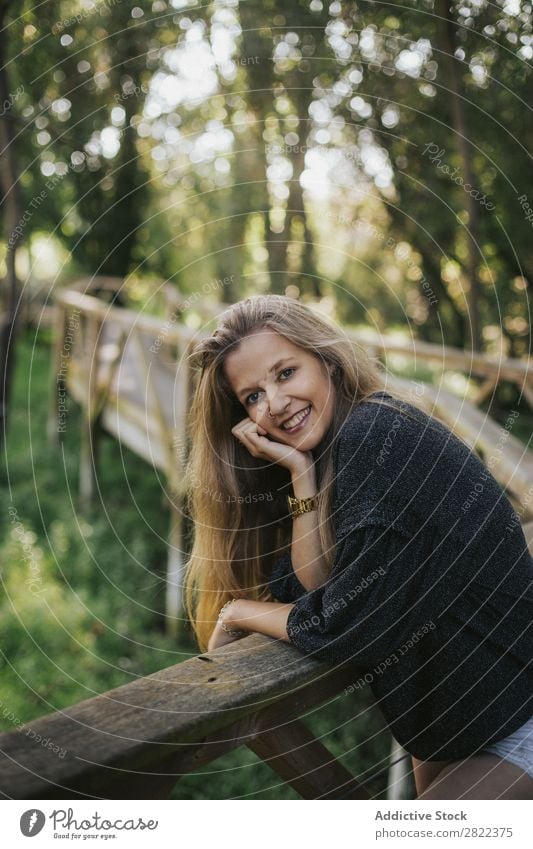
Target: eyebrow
(274,367)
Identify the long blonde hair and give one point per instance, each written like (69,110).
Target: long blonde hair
(237,502)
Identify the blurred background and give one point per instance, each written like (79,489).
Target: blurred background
(166,158)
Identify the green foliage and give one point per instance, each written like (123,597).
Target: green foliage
(280,145)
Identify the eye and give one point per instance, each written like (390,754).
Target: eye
(291,369)
(249,400)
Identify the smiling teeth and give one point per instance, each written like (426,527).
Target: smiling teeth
(296,419)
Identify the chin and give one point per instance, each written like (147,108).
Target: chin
(309,443)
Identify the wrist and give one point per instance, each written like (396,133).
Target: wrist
(227,618)
(232,615)
(304,483)
(303,466)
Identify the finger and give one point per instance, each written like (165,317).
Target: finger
(242,423)
(249,428)
(246,439)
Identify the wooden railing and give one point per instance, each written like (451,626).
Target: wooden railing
(493,369)
(138,740)
(130,374)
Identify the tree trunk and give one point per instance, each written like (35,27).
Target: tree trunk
(12,215)
(446,30)
(296,209)
(431,265)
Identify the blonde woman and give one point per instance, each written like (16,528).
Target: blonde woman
(333,515)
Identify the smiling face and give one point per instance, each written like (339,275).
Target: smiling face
(267,372)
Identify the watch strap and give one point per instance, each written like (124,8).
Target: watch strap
(297,506)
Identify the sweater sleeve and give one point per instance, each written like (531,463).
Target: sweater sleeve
(372,602)
(283,583)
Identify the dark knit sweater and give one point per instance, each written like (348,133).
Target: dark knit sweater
(431,592)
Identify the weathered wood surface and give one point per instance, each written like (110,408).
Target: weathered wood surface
(151,731)
(302,761)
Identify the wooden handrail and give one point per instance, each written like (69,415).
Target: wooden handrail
(498,368)
(137,740)
(125,318)
(472,362)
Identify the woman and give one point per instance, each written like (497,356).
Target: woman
(332,515)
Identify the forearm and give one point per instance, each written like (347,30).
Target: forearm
(261,617)
(307,560)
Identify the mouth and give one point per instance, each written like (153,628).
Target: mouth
(297,422)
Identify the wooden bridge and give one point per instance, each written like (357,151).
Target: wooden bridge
(132,377)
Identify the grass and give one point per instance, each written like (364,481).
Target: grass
(82,595)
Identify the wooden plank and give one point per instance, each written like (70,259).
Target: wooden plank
(487,388)
(155,408)
(88,434)
(302,761)
(175,575)
(136,726)
(105,379)
(57,380)
(122,422)
(125,419)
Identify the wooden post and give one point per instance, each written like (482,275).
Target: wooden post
(175,475)
(174,593)
(89,431)
(57,377)
(174,586)
(527,392)
(302,761)
(400,783)
(487,388)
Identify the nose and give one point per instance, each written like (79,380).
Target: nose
(275,402)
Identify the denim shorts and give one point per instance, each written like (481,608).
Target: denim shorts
(517,747)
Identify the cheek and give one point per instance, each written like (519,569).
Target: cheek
(320,389)
(260,416)
(325,396)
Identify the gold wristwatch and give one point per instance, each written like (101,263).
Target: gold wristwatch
(297,506)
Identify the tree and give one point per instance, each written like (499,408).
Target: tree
(13,221)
